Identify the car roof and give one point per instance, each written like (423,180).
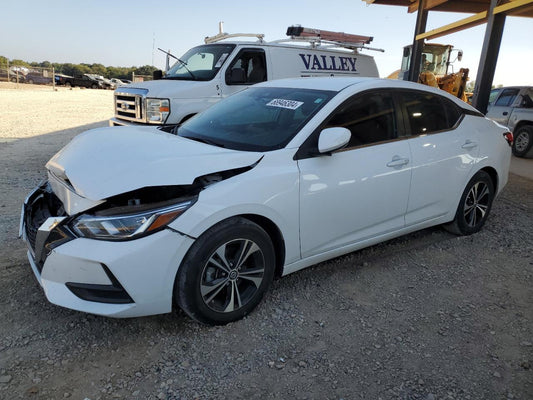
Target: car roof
(338,84)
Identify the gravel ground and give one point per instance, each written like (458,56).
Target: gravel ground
(426,316)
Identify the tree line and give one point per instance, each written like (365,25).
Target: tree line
(80,69)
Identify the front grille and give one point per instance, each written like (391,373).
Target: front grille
(40,206)
(129,104)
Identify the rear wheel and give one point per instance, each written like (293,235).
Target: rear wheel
(474,206)
(226,272)
(68,84)
(522,140)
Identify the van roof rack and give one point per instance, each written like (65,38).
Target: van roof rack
(221,36)
(315,37)
(336,39)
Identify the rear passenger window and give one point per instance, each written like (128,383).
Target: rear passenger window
(427,113)
(369,117)
(507,97)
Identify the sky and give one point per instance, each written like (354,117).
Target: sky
(128,32)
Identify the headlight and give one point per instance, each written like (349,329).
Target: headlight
(157,110)
(127,226)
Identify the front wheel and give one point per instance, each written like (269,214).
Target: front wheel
(474,206)
(226,272)
(522,140)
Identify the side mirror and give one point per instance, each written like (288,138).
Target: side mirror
(331,139)
(460,55)
(157,74)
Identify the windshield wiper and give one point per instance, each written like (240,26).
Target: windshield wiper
(168,53)
(206,141)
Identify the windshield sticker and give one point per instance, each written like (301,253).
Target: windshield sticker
(221,60)
(283,103)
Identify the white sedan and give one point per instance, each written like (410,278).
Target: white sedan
(283,175)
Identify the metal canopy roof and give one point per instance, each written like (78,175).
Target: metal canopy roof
(519,7)
(491,12)
(516,8)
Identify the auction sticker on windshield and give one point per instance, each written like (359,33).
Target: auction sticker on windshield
(283,103)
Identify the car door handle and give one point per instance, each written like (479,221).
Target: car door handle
(397,161)
(469,145)
(505,113)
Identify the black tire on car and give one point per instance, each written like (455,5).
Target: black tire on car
(522,140)
(94,86)
(226,272)
(474,206)
(30,81)
(68,84)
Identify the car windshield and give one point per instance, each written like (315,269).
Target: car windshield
(200,63)
(256,119)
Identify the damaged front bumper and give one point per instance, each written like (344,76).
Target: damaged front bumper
(117,279)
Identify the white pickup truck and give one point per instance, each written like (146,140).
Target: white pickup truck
(513,107)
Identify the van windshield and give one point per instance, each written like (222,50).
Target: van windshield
(200,63)
(256,119)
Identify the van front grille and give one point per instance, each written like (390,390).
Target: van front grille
(129,104)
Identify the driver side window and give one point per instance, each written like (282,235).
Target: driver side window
(249,67)
(370,118)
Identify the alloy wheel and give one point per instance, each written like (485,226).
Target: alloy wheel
(522,141)
(232,275)
(476,204)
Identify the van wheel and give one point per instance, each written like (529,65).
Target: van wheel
(226,272)
(522,140)
(474,206)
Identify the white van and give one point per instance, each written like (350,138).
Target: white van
(207,73)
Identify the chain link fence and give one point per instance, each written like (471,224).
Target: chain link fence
(24,74)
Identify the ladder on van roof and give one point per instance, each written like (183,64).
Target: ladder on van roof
(315,37)
(336,39)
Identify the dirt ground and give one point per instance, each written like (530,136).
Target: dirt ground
(426,316)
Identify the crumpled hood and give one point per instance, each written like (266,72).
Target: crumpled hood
(104,162)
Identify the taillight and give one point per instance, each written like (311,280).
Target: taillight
(509,137)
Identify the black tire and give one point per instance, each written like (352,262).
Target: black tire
(30,81)
(226,272)
(94,86)
(68,84)
(474,206)
(522,140)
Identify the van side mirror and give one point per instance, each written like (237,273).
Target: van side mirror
(460,55)
(406,52)
(331,139)
(157,74)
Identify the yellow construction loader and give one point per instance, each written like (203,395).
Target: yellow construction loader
(434,68)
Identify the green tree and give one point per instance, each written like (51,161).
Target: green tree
(80,69)
(145,70)
(98,69)
(19,63)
